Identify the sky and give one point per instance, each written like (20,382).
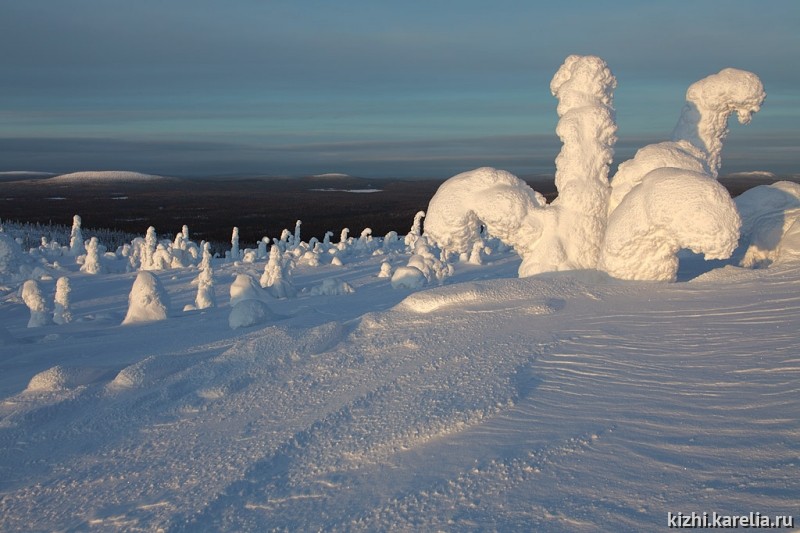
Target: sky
(376,89)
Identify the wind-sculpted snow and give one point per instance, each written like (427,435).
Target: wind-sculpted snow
(567,234)
(661,201)
(562,401)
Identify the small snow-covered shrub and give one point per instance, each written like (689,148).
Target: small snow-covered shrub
(408,277)
(770,224)
(148,300)
(331,287)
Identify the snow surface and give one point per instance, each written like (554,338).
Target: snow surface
(567,401)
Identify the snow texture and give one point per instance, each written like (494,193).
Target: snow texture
(148,300)
(244,288)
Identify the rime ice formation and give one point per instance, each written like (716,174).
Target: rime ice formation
(205,282)
(668,212)
(770,224)
(566,234)
(76,247)
(234,253)
(663,200)
(33,298)
(92,264)
(148,301)
(276,275)
(62,314)
(666,198)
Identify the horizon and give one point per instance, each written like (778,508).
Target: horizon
(426,90)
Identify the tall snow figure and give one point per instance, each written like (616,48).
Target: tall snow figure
(566,234)
(61,312)
(234,255)
(148,300)
(33,298)
(76,247)
(205,281)
(667,198)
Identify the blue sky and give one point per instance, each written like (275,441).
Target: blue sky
(379,89)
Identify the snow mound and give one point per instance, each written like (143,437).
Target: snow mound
(245,288)
(669,211)
(331,287)
(60,378)
(408,277)
(248,313)
(106,175)
(770,224)
(146,372)
(429,301)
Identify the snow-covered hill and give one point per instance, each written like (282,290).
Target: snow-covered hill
(101,176)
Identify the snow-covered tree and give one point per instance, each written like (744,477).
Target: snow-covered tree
(235,254)
(76,246)
(62,312)
(92,264)
(147,249)
(276,275)
(664,200)
(205,282)
(416,229)
(667,198)
(148,300)
(33,298)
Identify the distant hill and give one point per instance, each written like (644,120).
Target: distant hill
(109,175)
(17,175)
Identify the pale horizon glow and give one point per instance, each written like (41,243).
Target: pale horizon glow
(429,89)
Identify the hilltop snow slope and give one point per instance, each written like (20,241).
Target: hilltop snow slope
(560,402)
(105,175)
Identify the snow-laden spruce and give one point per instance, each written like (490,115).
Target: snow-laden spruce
(148,300)
(62,312)
(664,200)
(37,305)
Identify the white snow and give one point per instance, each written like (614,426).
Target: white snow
(105,175)
(468,400)
(148,300)
(662,201)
